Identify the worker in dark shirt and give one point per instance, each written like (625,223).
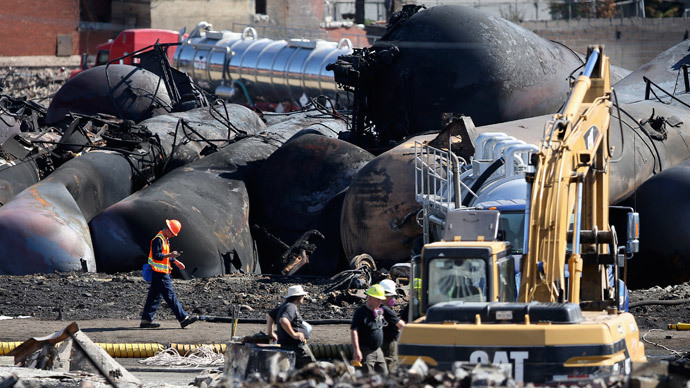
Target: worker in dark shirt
(271,318)
(391,331)
(160,260)
(293,331)
(366,332)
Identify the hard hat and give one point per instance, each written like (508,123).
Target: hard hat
(295,291)
(174,226)
(388,287)
(376,291)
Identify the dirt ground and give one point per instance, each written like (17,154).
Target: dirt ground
(99,301)
(108,307)
(122,331)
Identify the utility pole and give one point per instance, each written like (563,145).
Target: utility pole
(640,8)
(359,11)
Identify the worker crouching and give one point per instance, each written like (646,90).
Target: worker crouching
(160,258)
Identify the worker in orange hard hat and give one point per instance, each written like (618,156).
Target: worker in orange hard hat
(160,258)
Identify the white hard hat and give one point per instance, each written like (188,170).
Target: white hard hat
(388,287)
(295,291)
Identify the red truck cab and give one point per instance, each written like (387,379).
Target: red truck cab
(127,42)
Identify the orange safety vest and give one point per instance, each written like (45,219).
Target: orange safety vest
(162,266)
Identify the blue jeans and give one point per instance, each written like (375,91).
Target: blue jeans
(161,288)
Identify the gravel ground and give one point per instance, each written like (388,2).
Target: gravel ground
(81,296)
(38,84)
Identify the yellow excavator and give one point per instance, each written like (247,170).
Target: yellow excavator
(564,326)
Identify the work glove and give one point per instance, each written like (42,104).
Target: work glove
(179,264)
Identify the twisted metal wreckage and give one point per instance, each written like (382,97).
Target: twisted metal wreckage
(152,145)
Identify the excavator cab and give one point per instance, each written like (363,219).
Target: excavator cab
(473,273)
(470,263)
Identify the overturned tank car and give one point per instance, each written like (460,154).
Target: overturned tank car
(211,198)
(451,59)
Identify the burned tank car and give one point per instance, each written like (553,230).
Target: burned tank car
(379,208)
(295,191)
(664,207)
(454,59)
(124,91)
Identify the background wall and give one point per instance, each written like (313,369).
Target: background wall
(629,42)
(32,27)
(175,14)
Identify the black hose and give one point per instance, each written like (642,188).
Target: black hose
(620,124)
(207,318)
(655,151)
(217,115)
(670,302)
(482,179)
(194,131)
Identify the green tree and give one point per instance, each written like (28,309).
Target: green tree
(579,9)
(607,9)
(662,9)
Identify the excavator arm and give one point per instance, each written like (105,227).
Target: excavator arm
(569,194)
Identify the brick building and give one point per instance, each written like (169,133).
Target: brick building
(71,27)
(32,28)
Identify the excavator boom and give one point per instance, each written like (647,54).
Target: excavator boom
(570,190)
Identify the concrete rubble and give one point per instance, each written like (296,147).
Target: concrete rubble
(69,358)
(658,374)
(32,83)
(71,350)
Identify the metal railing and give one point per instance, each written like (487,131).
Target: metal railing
(278,32)
(360,41)
(433,184)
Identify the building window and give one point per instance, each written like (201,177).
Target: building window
(260,6)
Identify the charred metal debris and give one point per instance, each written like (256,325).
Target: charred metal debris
(296,255)
(29,84)
(26,138)
(355,73)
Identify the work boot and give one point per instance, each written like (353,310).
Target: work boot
(188,320)
(149,325)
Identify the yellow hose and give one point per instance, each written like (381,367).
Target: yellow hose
(144,350)
(6,347)
(138,350)
(134,350)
